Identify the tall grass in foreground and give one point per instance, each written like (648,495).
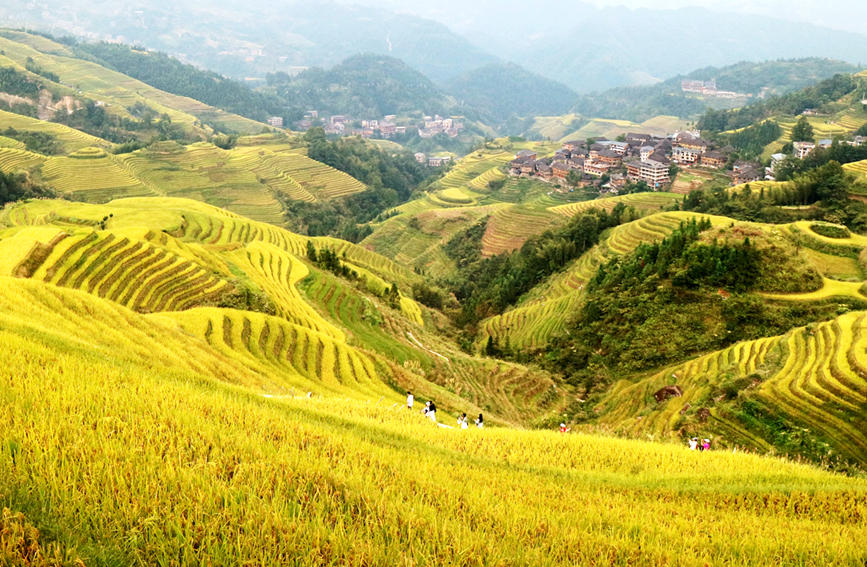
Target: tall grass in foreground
(126,441)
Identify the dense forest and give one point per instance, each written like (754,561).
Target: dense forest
(17,186)
(499,91)
(391,179)
(487,286)
(168,74)
(16,83)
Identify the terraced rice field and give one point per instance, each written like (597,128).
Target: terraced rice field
(509,228)
(640,201)
(133,273)
(480,183)
(831,288)
(814,375)
(471,167)
(859,168)
(546,309)
(69,138)
(11,143)
(14,159)
(302,356)
(454,196)
(530,327)
(92,175)
(297,175)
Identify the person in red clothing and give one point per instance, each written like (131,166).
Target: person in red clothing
(564,429)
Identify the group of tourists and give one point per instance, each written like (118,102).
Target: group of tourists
(695,445)
(430,411)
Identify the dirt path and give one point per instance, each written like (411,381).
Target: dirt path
(421,346)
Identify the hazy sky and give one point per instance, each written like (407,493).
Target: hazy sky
(849,15)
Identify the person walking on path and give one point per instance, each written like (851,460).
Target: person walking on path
(409,400)
(480,422)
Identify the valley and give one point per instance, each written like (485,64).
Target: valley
(219,297)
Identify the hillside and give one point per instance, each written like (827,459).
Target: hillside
(363,85)
(321,471)
(104,102)
(596,48)
(500,91)
(253,178)
(753,80)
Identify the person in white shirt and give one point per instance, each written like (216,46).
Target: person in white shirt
(462,421)
(409,400)
(480,423)
(693,444)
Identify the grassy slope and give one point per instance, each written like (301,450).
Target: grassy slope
(164,255)
(543,312)
(193,455)
(119,91)
(811,377)
(247,179)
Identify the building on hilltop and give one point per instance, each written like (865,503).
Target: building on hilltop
(746,172)
(275,121)
(684,156)
(715,160)
(652,172)
(801,149)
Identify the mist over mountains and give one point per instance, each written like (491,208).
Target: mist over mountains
(584,47)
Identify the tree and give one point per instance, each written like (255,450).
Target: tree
(573,178)
(802,131)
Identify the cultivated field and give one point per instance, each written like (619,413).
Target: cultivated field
(813,376)
(216,438)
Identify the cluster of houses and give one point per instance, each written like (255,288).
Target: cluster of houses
(434,125)
(432,161)
(342,125)
(635,158)
(708,88)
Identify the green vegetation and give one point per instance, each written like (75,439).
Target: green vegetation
(685,294)
(485,287)
(16,187)
(362,85)
(500,91)
(794,104)
(777,77)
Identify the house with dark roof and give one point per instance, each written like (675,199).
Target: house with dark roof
(713,159)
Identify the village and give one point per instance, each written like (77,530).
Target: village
(610,166)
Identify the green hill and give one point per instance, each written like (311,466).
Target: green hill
(497,92)
(363,86)
(751,79)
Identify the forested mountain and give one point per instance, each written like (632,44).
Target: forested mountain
(257,37)
(169,74)
(749,78)
(501,90)
(362,86)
